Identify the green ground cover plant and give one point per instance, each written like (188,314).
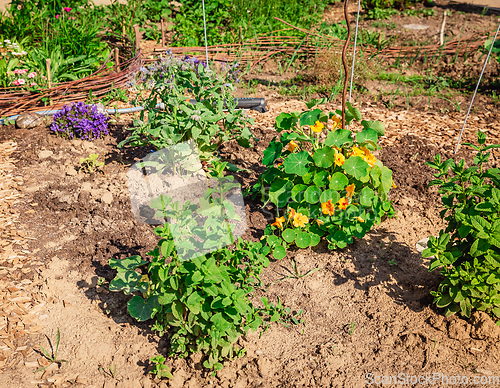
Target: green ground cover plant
(322,181)
(467,252)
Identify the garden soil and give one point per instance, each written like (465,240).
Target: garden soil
(367,309)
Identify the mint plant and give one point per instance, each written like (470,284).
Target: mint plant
(323,181)
(467,251)
(90,164)
(202,304)
(198,104)
(196,288)
(160,369)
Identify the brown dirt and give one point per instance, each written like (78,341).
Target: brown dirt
(367,310)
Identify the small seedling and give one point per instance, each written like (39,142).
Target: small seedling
(392,262)
(90,164)
(160,369)
(7,121)
(101,281)
(53,356)
(351,328)
(111,371)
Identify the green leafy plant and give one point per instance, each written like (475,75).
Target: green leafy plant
(90,164)
(109,371)
(322,184)
(197,103)
(52,357)
(467,252)
(199,298)
(160,369)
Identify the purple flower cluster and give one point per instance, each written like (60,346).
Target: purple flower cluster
(81,121)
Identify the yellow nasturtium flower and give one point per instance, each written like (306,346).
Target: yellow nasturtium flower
(339,159)
(358,152)
(279,222)
(361,220)
(343,202)
(300,220)
(317,127)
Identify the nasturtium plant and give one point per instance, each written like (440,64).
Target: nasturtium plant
(467,251)
(323,180)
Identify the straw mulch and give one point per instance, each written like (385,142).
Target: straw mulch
(19,300)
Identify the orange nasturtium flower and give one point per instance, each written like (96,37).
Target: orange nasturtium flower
(317,127)
(319,222)
(292,213)
(350,190)
(361,220)
(292,146)
(394,185)
(279,222)
(300,220)
(343,203)
(328,208)
(339,159)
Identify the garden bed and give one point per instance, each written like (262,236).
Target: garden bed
(367,308)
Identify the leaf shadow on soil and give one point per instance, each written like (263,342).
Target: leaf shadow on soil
(381,261)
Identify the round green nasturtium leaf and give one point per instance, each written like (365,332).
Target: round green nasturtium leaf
(338,181)
(338,138)
(331,195)
(308,178)
(297,163)
(366,196)
(324,157)
(367,135)
(312,194)
(303,240)
(356,167)
(279,252)
(310,117)
(298,193)
(321,178)
(280,191)
(375,125)
(315,239)
(376,174)
(340,238)
(272,153)
(288,235)
(272,240)
(141,309)
(386,179)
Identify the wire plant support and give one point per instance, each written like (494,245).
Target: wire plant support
(475,91)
